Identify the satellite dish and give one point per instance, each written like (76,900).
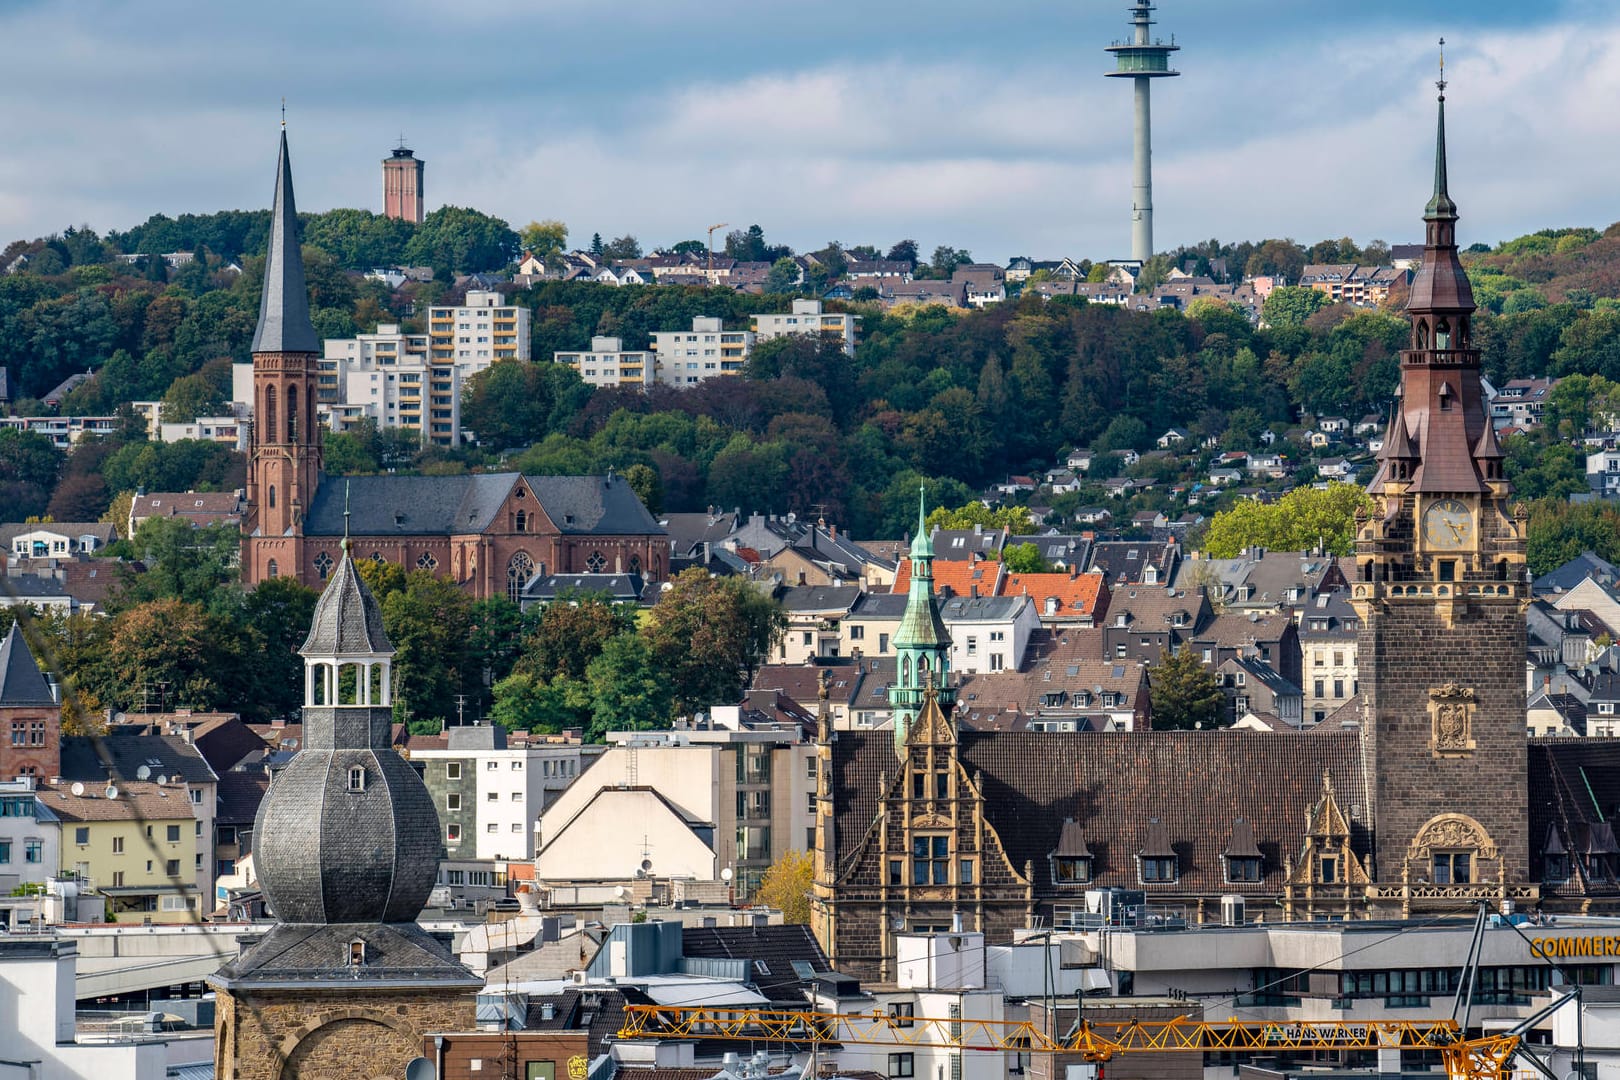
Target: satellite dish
(143,773)
(111,792)
(420,1069)
(646,865)
(162,780)
(726,874)
(620,891)
(77,788)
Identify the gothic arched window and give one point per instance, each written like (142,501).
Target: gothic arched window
(522,521)
(292,414)
(272,496)
(323,564)
(270,431)
(635,564)
(1442,335)
(518,572)
(273,570)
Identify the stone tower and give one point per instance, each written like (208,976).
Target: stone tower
(284,453)
(922,646)
(347,849)
(402,184)
(30,715)
(1440,587)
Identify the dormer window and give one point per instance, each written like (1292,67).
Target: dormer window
(1242,869)
(357,778)
(357,953)
(1157,868)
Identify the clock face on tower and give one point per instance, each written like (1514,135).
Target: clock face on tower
(1447,524)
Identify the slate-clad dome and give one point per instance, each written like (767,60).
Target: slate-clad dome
(348,620)
(347,832)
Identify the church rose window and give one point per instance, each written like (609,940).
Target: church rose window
(596,562)
(426,562)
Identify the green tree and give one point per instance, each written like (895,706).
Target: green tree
(1024,559)
(530,703)
(1186,694)
(643,480)
(974,512)
(709,635)
(29,463)
(627,691)
(786,886)
(182,562)
(1561,530)
(570,632)
(457,240)
(1290,305)
(202,394)
(623,247)
(544,238)
(783,278)
(277,613)
(429,624)
(1303,519)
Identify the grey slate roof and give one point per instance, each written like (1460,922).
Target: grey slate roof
(121,757)
(347,619)
(298,956)
(284,324)
(1566,577)
(20,680)
(455,505)
(621,588)
(839,598)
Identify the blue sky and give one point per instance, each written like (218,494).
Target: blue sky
(986,126)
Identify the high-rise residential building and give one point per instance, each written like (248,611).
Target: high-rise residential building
(402,185)
(462,341)
(687,357)
(608,363)
(807,319)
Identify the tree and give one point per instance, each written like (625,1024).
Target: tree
(643,480)
(429,624)
(626,691)
(624,247)
(1024,559)
(277,613)
(458,240)
(173,652)
(1306,518)
(1186,694)
(1012,518)
(197,395)
(1123,433)
(904,251)
(544,238)
(28,466)
(708,636)
(1560,530)
(784,276)
(572,631)
(786,885)
(530,703)
(1291,305)
(946,259)
(182,562)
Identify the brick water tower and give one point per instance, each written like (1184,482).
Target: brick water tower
(402,184)
(1143,60)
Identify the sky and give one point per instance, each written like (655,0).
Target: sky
(986,126)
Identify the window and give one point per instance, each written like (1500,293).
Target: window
(1327,868)
(895,872)
(1321,688)
(357,778)
(517,826)
(1071,869)
(493,796)
(5,852)
(1158,868)
(930,860)
(490,766)
(904,1013)
(857,633)
(171,867)
(173,834)
(972,646)
(517,796)
(452,833)
(81,835)
(517,766)
(1338,688)
(118,845)
(965,872)
(492,827)
(118,878)
(1453,867)
(902,1065)
(33,851)
(452,770)
(1240,868)
(452,802)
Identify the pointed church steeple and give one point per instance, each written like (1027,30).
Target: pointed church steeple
(922,645)
(284,325)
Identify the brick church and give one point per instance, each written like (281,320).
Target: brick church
(1434,801)
(489,532)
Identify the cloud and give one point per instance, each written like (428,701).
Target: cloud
(1000,135)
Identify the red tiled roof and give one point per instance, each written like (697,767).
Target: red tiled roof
(1078,594)
(960,576)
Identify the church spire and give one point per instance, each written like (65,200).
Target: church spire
(922,644)
(284,325)
(1440,206)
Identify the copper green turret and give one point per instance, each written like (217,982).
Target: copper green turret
(922,645)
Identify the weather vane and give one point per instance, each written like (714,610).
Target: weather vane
(1442,81)
(283,114)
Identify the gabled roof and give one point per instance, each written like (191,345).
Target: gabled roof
(955,577)
(21,682)
(121,758)
(1077,594)
(135,801)
(459,505)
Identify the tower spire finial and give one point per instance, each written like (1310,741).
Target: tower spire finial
(283,114)
(1440,205)
(345,517)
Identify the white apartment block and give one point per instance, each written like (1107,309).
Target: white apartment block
(608,363)
(686,358)
(807,319)
(463,341)
(511,785)
(64,431)
(226,430)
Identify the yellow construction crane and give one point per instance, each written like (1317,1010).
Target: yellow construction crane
(1484,1058)
(712,230)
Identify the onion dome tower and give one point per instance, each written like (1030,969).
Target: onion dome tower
(347,848)
(922,645)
